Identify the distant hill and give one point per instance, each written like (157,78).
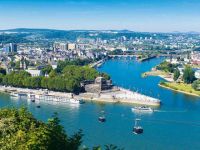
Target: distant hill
(29,30)
(30,34)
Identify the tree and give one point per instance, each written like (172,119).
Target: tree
(196,85)
(176,74)
(78,62)
(12,64)
(112,147)
(17,65)
(116,52)
(20,130)
(1,78)
(47,69)
(68,80)
(188,75)
(2,71)
(53,73)
(166,66)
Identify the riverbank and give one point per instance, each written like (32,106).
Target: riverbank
(116,95)
(166,76)
(180,87)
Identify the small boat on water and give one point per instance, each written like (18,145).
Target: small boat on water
(142,109)
(137,129)
(14,94)
(75,101)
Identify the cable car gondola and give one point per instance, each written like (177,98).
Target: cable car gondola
(137,129)
(102,118)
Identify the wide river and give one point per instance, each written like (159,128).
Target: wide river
(173,126)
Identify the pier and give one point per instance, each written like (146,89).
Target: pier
(121,96)
(116,95)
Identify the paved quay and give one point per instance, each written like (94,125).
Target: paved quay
(116,95)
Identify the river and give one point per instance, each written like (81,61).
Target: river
(175,125)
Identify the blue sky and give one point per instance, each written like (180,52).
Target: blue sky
(136,15)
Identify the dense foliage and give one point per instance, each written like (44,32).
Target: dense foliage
(78,62)
(2,71)
(188,75)
(196,85)
(47,69)
(176,74)
(13,38)
(67,80)
(20,130)
(116,52)
(167,67)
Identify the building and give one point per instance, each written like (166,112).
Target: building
(172,61)
(34,73)
(56,46)
(13,47)
(10,48)
(197,74)
(195,57)
(71,46)
(63,46)
(98,85)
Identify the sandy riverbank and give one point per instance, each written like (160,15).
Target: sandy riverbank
(166,76)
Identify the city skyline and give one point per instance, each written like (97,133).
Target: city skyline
(135,15)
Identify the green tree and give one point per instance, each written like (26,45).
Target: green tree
(1,78)
(47,69)
(53,73)
(167,67)
(188,75)
(69,80)
(20,130)
(176,74)
(78,62)
(3,71)
(196,85)
(17,65)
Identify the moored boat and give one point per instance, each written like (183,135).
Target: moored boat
(14,94)
(76,101)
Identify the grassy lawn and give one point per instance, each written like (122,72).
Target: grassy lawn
(182,87)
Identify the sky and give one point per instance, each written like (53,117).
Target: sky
(135,15)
